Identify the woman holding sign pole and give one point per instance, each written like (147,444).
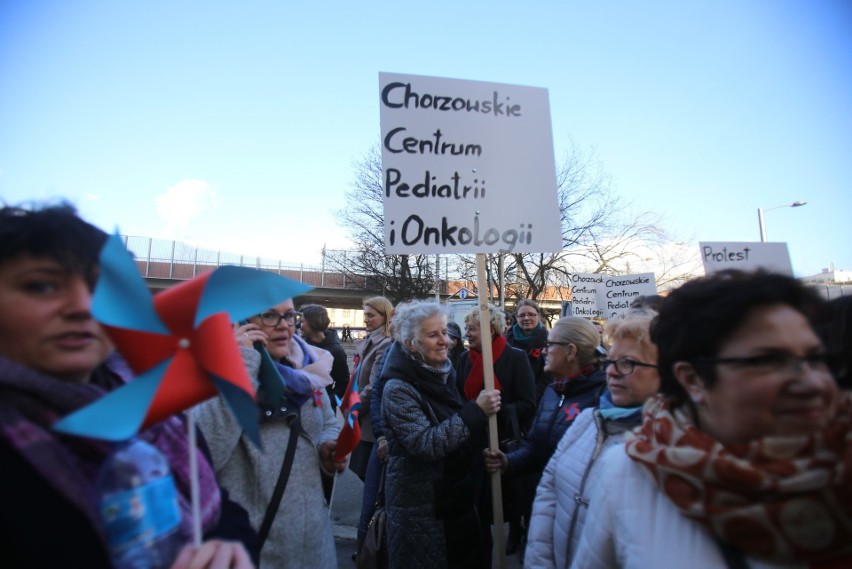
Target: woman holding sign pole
(514,378)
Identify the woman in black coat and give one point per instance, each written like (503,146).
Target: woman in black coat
(513,376)
(434,440)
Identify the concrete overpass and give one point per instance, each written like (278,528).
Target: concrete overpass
(164,263)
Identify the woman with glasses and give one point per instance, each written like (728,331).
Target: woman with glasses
(745,457)
(529,334)
(300,534)
(514,379)
(572,358)
(562,500)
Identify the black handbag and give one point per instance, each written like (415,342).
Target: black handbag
(374,550)
(513,442)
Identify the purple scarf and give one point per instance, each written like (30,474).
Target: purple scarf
(30,403)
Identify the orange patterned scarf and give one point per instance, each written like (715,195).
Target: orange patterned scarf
(776,498)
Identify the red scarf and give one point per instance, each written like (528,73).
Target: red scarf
(776,498)
(475,381)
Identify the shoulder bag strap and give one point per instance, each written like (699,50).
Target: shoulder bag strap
(516,427)
(380,495)
(275,501)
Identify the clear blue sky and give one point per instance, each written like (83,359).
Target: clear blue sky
(236,124)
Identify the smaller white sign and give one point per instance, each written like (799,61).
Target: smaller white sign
(584,294)
(718,256)
(605,296)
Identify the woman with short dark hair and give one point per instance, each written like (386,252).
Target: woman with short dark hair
(53,362)
(434,439)
(743,460)
(315,330)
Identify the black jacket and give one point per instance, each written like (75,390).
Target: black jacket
(555,414)
(340,367)
(518,388)
(535,354)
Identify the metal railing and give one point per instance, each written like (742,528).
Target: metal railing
(169,259)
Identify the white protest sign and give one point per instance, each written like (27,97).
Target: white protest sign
(584,294)
(467,167)
(773,257)
(604,296)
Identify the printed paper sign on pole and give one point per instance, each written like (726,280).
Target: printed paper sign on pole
(773,257)
(467,167)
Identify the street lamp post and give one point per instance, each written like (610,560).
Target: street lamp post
(762,223)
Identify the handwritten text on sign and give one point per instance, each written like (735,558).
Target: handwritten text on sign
(597,295)
(467,167)
(773,257)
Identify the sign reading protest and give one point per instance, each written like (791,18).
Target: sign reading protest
(467,167)
(773,257)
(596,295)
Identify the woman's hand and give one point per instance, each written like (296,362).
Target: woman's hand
(248,334)
(382,449)
(327,461)
(489,401)
(214,554)
(365,393)
(495,460)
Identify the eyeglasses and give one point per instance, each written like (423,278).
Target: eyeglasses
(272,318)
(548,343)
(777,362)
(526,315)
(624,365)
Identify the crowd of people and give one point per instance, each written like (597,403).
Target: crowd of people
(709,428)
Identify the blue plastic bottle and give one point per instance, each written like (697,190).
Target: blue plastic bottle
(138,506)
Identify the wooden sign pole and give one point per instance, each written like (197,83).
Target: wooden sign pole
(493,444)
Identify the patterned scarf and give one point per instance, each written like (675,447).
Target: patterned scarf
(475,380)
(776,498)
(31,402)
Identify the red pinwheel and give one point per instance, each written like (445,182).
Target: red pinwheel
(180,344)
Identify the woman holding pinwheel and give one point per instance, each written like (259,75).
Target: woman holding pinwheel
(273,352)
(54,361)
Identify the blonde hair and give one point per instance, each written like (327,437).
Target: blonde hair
(384,307)
(635,326)
(582,334)
(498,318)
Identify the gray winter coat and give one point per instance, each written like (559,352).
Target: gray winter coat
(301,535)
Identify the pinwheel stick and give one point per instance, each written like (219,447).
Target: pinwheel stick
(333,488)
(193,483)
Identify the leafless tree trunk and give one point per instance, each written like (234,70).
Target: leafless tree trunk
(398,277)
